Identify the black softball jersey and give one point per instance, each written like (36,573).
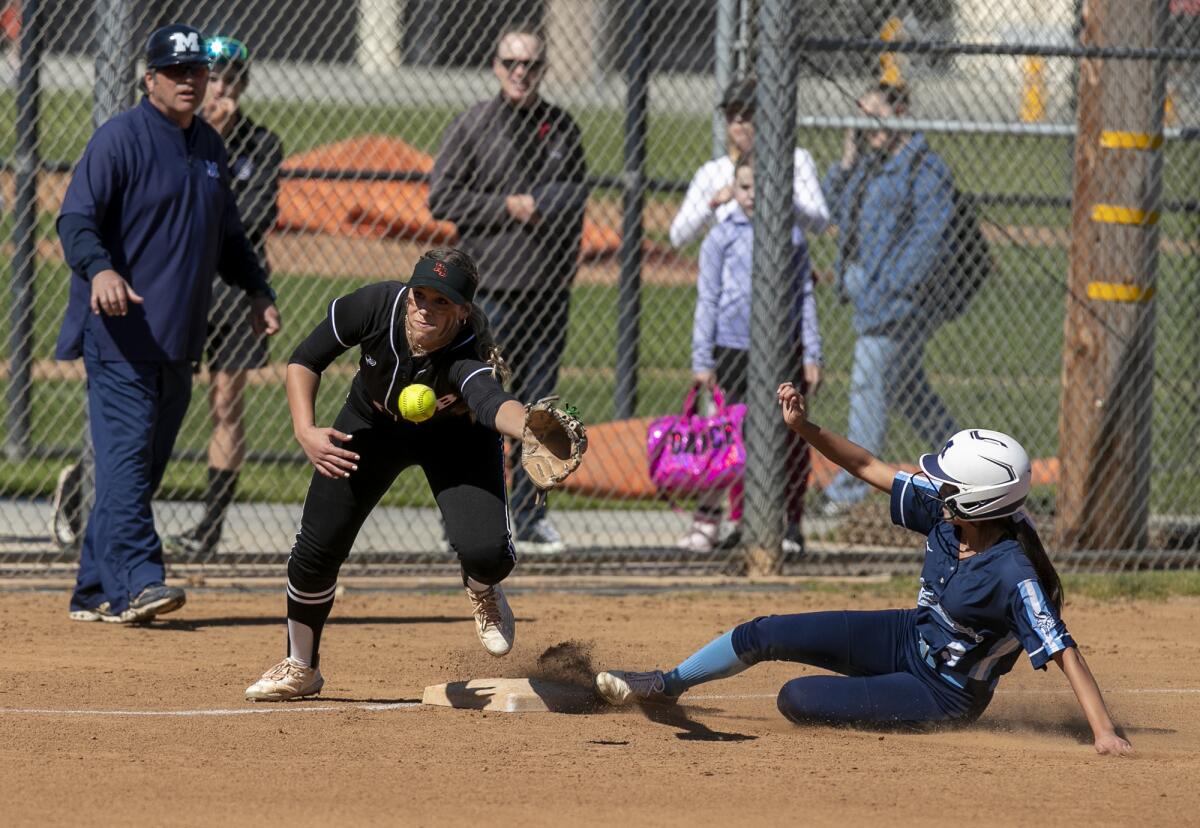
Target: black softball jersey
(373,318)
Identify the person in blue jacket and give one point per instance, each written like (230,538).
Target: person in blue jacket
(987,591)
(146,221)
(892,199)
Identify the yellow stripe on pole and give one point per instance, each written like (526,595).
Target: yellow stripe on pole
(1120,139)
(1119,292)
(1112,214)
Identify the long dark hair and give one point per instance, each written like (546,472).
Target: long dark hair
(485,343)
(1021,528)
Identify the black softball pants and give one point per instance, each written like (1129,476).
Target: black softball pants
(464,464)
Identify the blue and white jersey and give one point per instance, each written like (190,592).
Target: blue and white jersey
(974,615)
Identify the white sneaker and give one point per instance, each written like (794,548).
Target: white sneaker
(541,539)
(619,687)
(98,613)
(288,679)
(494,621)
(702,537)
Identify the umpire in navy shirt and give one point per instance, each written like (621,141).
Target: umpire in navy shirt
(147,220)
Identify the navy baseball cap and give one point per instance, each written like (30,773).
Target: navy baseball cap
(175,45)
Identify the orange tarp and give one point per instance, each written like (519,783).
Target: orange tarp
(615,464)
(382,209)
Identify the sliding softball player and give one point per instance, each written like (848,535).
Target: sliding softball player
(988,590)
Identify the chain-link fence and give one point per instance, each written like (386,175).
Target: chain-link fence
(1058,142)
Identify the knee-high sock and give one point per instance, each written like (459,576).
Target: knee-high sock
(307,613)
(715,660)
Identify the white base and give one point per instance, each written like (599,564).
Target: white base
(512,695)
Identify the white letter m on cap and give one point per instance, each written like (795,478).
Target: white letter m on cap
(189,42)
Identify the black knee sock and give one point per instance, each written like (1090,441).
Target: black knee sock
(307,613)
(222,485)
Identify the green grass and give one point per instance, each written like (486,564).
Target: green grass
(676,144)
(999,365)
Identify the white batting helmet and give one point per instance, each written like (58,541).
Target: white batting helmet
(983,474)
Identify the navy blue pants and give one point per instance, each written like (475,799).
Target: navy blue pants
(135,410)
(531,329)
(883,679)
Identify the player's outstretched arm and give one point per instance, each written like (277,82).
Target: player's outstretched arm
(328,459)
(850,456)
(1083,683)
(510,419)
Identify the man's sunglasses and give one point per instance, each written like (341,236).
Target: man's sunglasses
(180,71)
(535,65)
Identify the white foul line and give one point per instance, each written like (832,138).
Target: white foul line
(235,711)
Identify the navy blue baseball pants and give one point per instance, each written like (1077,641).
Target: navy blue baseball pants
(135,410)
(883,679)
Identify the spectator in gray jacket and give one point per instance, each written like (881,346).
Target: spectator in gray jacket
(511,175)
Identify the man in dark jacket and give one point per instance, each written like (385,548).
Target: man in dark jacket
(233,348)
(146,221)
(511,175)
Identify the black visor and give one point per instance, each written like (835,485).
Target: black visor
(448,280)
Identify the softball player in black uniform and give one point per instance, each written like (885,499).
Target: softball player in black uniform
(425,332)
(988,590)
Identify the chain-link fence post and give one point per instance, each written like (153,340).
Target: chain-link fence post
(24,263)
(769,334)
(636,65)
(724,43)
(115,59)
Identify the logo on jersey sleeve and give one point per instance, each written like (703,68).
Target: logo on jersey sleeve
(1044,622)
(214,171)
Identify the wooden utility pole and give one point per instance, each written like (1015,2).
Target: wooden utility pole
(1108,347)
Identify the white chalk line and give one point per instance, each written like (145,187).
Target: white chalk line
(233,711)
(391,706)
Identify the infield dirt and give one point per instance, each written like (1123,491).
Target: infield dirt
(723,757)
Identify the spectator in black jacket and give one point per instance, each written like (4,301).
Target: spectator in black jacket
(232,349)
(511,175)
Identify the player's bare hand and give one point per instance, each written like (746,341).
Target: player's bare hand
(721,196)
(1110,744)
(813,375)
(327,457)
(791,401)
(705,379)
(264,316)
(111,294)
(522,208)
(219,113)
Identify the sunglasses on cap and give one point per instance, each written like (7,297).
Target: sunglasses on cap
(226,49)
(535,65)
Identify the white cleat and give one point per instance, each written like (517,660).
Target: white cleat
(619,687)
(286,680)
(494,621)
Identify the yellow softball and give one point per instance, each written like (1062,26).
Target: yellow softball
(417,403)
